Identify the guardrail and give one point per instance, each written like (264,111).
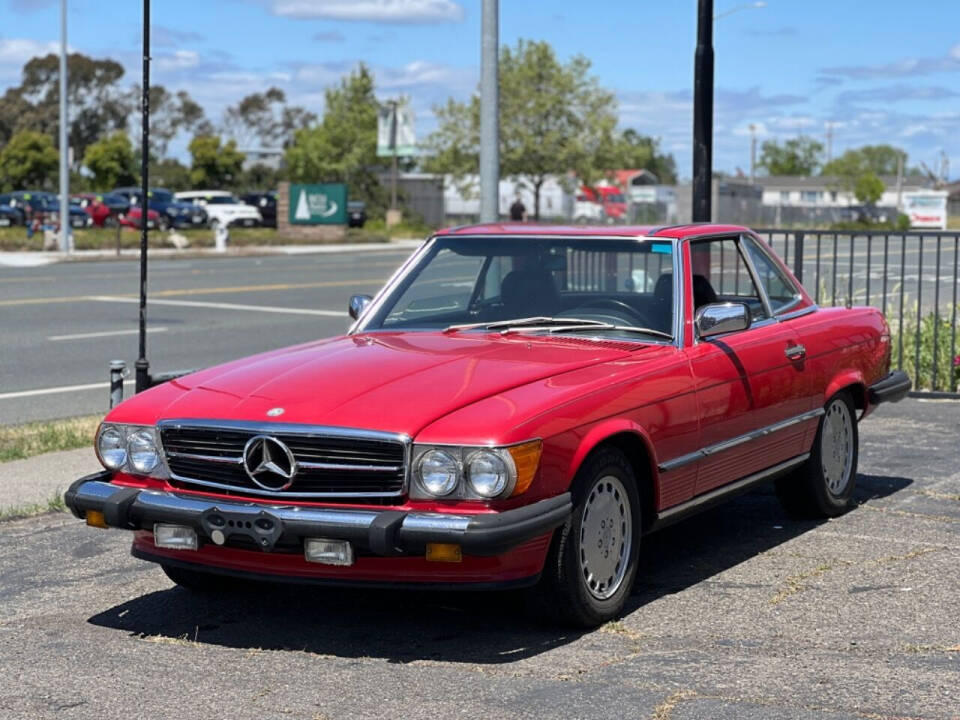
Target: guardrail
(911,276)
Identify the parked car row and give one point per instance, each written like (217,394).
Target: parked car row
(187,209)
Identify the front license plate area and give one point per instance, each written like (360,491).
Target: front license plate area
(260,526)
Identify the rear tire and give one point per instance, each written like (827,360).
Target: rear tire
(198,581)
(823,486)
(592,560)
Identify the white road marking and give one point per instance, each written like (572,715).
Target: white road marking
(55,390)
(223,306)
(105,333)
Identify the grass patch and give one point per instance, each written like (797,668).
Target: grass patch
(22,441)
(54,504)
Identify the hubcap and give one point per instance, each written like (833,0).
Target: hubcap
(836,447)
(606,536)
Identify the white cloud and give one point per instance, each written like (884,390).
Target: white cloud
(379,11)
(16,51)
(177,60)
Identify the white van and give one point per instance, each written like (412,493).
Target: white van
(223,208)
(926,209)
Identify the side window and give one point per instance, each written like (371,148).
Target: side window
(780,291)
(720,274)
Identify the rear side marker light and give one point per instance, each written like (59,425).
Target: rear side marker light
(95,519)
(174,537)
(328,552)
(444,552)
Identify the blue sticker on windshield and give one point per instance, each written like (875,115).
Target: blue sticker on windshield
(665,248)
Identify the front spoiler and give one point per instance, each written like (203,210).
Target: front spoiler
(381,532)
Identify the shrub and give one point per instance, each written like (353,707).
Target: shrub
(948,366)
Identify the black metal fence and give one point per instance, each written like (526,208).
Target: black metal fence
(911,276)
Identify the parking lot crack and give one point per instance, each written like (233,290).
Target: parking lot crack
(664,710)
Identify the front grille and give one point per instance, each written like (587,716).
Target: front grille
(331,462)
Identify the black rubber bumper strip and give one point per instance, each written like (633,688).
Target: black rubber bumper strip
(70,496)
(893,388)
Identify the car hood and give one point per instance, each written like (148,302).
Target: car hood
(393,382)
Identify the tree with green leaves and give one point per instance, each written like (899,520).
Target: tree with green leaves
(98,105)
(797,156)
(554,118)
(857,172)
(170,114)
(265,119)
(343,146)
(29,161)
(170,173)
(112,162)
(215,165)
(868,188)
(631,150)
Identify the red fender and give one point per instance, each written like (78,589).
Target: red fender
(604,429)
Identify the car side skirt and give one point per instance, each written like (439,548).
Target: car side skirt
(721,494)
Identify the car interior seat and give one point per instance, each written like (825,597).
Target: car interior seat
(529,292)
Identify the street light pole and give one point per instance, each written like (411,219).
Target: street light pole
(64,147)
(753,152)
(703,113)
(489,113)
(142,365)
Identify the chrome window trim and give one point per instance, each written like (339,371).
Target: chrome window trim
(765,250)
(811,308)
(755,276)
(709,450)
(678,324)
(302,430)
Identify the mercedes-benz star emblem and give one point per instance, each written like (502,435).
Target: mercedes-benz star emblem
(269,462)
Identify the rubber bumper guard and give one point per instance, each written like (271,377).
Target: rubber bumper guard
(893,388)
(382,532)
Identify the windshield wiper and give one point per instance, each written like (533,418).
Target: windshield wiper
(591,325)
(538,321)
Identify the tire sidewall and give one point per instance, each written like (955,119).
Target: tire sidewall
(606,462)
(830,503)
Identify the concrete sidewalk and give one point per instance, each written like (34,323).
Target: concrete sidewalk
(40,258)
(38,479)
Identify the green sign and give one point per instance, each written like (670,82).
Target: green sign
(318,204)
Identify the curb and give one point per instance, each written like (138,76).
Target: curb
(40,258)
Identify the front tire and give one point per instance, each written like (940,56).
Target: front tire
(593,557)
(823,486)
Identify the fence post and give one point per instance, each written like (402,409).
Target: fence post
(798,256)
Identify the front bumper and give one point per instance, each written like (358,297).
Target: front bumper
(893,388)
(386,533)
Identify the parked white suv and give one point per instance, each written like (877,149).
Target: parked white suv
(223,208)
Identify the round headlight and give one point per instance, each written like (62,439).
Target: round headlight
(112,447)
(143,452)
(439,472)
(487,473)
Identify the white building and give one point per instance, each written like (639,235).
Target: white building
(823,192)
(463,199)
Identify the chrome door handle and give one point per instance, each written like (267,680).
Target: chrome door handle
(795,352)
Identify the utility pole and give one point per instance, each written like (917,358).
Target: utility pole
(899,180)
(142,365)
(753,152)
(64,147)
(393,147)
(703,114)
(490,113)
(829,141)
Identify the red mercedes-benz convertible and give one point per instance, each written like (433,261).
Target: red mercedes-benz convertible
(518,406)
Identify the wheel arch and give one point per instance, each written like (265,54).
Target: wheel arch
(634,442)
(853,382)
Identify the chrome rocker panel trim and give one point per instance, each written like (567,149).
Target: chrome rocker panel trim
(384,532)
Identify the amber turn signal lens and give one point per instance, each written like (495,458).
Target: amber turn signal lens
(526,457)
(444,552)
(95,519)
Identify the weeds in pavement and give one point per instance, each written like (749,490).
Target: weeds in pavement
(54,504)
(23,441)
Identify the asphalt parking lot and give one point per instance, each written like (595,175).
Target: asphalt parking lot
(738,613)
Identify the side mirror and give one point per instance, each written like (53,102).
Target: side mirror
(358,303)
(720,318)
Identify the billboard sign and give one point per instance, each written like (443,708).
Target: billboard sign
(318,204)
(395,121)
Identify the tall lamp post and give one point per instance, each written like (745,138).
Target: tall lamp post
(143,365)
(703,113)
(64,147)
(489,113)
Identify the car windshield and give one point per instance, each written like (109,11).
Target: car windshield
(164,196)
(222,200)
(591,286)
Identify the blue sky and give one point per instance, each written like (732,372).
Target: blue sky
(882,71)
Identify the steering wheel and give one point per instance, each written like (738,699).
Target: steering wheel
(614,304)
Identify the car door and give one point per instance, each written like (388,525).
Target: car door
(750,383)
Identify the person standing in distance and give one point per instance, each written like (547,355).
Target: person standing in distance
(518,211)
